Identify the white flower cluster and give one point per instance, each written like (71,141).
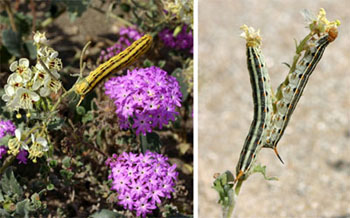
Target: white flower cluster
(183,9)
(36,150)
(27,84)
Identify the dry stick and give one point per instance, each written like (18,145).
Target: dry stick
(32,6)
(10,14)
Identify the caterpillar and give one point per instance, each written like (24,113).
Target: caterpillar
(261,92)
(292,89)
(118,62)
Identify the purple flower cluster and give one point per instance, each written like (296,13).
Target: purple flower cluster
(141,180)
(183,41)
(148,95)
(127,36)
(7,127)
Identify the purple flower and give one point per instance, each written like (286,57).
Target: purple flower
(127,36)
(3,150)
(148,95)
(144,206)
(7,127)
(138,181)
(183,41)
(22,157)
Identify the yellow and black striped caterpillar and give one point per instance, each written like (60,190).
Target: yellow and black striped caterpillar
(261,91)
(292,89)
(271,118)
(118,62)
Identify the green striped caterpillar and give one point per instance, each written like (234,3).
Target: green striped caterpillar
(260,83)
(292,88)
(118,62)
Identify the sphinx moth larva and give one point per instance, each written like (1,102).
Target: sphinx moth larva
(261,91)
(118,62)
(292,89)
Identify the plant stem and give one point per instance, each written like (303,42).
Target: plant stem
(7,163)
(232,195)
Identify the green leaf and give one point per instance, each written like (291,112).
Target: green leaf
(99,137)
(177,30)
(31,49)
(23,23)
(80,110)
(66,162)
(262,169)
(67,174)
(161,63)
(125,7)
(104,213)
(35,203)
(5,55)
(223,185)
(10,185)
(50,187)
(4,213)
(21,208)
(1,197)
(76,8)
(178,215)
(12,41)
(87,117)
(177,73)
(53,163)
(56,124)
(4,140)
(150,142)
(147,63)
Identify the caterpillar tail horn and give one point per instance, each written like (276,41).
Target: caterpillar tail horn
(279,157)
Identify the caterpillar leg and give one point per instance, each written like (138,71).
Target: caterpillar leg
(81,99)
(240,174)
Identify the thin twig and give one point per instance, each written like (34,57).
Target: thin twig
(10,14)
(32,6)
(82,64)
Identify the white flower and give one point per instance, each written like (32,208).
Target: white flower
(40,75)
(52,84)
(40,38)
(22,69)
(39,146)
(24,98)
(49,57)
(15,144)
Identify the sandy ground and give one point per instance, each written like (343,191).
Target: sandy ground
(315,179)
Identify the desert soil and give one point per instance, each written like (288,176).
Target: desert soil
(315,179)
